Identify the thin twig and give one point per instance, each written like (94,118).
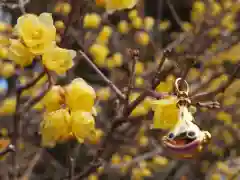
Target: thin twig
(17,122)
(134,57)
(138,159)
(221,89)
(31,165)
(175,15)
(39,97)
(106,80)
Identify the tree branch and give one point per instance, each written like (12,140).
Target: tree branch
(106,80)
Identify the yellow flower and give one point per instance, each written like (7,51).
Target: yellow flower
(7,70)
(165,113)
(139,81)
(59,25)
(137,22)
(92,20)
(141,109)
(160,160)
(164,25)
(4,41)
(116,159)
(224,116)
(93,176)
(97,137)
(54,98)
(103,94)
(3,53)
(112,6)
(63,8)
(123,27)
(104,35)
(83,125)
(3,27)
(148,23)
(139,68)
(118,59)
(187,26)
(37,32)
(142,38)
(55,127)
(19,54)
(143,141)
(8,106)
(99,53)
(79,95)
(66,8)
(58,59)
(133,14)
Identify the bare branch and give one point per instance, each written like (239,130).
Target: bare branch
(106,80)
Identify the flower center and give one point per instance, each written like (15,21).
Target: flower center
(37,34)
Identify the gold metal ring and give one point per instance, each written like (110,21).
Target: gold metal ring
(177,84)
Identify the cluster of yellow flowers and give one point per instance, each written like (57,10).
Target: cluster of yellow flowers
(36,37)
(69,113)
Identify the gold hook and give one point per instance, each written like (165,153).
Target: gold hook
(177,84)
(183,99)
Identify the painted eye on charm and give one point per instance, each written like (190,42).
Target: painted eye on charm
(171,136)
(191,135)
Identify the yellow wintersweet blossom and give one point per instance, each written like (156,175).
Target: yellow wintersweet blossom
(123,27)
(8,106)
(148,23)
(19,54)
(116,159)
(165,113)
(92,20)
(3,53)
(79,95)
(83,125)
(104,35)
(143,108)
(224,116)
(37,32)
(54,98)
(58,59)
(7,70)
(139,68)
(103,94)
(115,5)
(142,38)
(55,127)
(99,53)
(160,160)
(4,41)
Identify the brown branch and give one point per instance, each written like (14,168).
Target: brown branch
(31,165)
(106,80)
(205,84)
(39,97)
(134,57)
(17,123)
(74,4)
(208,95)
(118,121)
(175,15)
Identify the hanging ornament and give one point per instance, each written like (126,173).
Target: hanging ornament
(185,139)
